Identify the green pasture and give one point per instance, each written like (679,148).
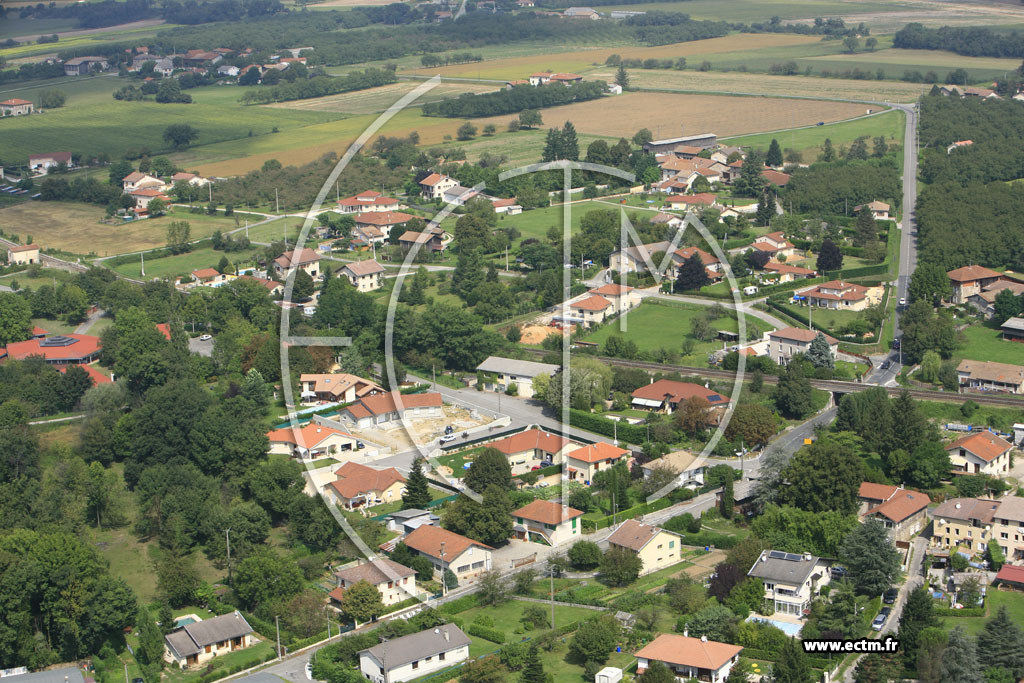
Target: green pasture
(983,342)
(762,10)
(182,264)
(809,141)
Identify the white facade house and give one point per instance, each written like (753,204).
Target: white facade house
(414,655)
(509,371)
(791,580)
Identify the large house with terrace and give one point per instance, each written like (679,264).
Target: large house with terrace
(385,221)
(775,245)
(838,295)
(435,185)
(621,297)
(303,259)
(791,580)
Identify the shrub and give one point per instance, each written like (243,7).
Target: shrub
(491,634)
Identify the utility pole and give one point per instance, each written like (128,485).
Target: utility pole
(227,539)
(277,203)
(551,573)
(126,672)
(444,584)
(277,626)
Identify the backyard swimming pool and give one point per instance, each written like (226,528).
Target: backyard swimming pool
(786,627)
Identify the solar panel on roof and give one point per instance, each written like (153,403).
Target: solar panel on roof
(793,557)
(776,555)
(58,340)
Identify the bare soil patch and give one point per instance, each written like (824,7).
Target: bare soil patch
(535,334)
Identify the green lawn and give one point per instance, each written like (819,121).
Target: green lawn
(182,264)
(986,343)
(809,141)
(824,318)
(1014,603)
(506,619)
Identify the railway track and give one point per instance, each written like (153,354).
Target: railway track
(833,385)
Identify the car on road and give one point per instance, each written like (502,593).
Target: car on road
(447,438)
(820,123)
(889,596)
(360,445)
(309,671)
(896,344)
(886,364)
(903,301)
(880,620)
(205,337)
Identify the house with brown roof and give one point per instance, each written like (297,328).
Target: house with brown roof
(42,163)
(532,449)
(690,658)
(384,221)
(1013,329)
(547,521)
(980,453)
(198,642)
(776,178)
(310,442)
(448,550)
(969,524)
(879,210)
(23,254)
(981,375)
(338,387)
(366,276)
(273,287)
(83,66)
(59,349)
(622,297)
(840,295)
(985,301)
(686,465)
(633,259)
(509,207)
(380,409)
(789,341)
(657,548)
(788,273)
(592,309)
(435,185)
(665,395)
(136,180)
(144,195)
(774,244)
(15,107)
(584,462)
(429,241)
(190,178)
(712,265)
(358,486)
(970,280)
(682,202)
(394,582)
(669,219)
(902,511)
(304,259)
(208,276)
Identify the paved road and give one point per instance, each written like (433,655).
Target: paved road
(89,322)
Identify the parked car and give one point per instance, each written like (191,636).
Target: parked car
(879,621)
(205,337)
(309,671)
(360,445)
(889,596)
(896,344)
(449,429)
(839,572)
(535,468)
(903,301)
(886,364)
(447,438)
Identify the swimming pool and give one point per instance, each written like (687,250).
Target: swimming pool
(184,621)
(786,627)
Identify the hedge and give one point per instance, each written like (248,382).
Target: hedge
(968,612)
(764,655)
(227,671)
(459,604)
(491,634)
(628,513)
(635,434)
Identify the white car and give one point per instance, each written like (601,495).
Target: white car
(309,671)
(903,301)
(447,438)
(205,337)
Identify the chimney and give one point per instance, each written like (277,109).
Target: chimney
(447,638)
(686,631)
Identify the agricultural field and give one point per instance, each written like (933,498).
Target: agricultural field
(376,100)
(70,39)
(895,61)
(183,264)
(762,10)
(76,228)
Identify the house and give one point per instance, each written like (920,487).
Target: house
(683,463)
(533,448)
(414,655)
(702,140)
(339,387)
(197,643)
(42,163)
(665,395)
(776,178)
(509,206)
(393,581)
(382,220)
(838,295)
(366,235)
(143,196)
(366,276)
(15,107)
(621,297)
(657,548)
(581,13)
(447,550)
(1013,328)
(435,185)
(774,244)
(961,144)
(509,371)
(60,349)
(707,174)
(669,219)
(592,309)
(983,93)
(201,58)
(789,341)
(969,524)
(273,287)
(357,486)
(380,409)
(427,240)
(980,453)
(552,522)
(304,259)
(208,276)
(970,280)
(408,520)
(788,273)
(23,254)
(981,375)
(1008,575)
(67,674)
(690,658)
(791,580)
(310,442)
(583,463)
(83,66)
(691,201)
(614,88)
(458,195)
(190,178)
(902,511)
(370,200)
(137,180)
(634,259)
(568,79)
(985,301)
(228,70)
(879,210)
(712,266)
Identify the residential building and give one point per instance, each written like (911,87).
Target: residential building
(683,202)
(902,511)
(1013,329)
(702,140)
(408,520)
(273,287)
(208,276)
(789,341)
(144,195)
(201,58)
(985,300)
(657,548)
(791,580)
(685,463)
(581,13)
(592,309)
(15,107)
(435,185)
(788,273)
(980,453)
(67,674)
(197,643)
(690,658)
(428,241)
(42,163)
(395,582)
(501,373)
(665,395)
(970,280)
(311,441)
(304,259)
(622,297)
(357,486)
(228,70)
(635,259)
(370,200)
(509,207)
(969,524)
(365,235)
(533,448)
(774,244)
(981,375)
(776,178)
(447,550)
(381,409)
(1008,575)
(60,349)
(669,219)
(838,295)
(190,178)
(879,210)
(554,523)
(23,254)
(384,221)
(83,66)
(458,195)
(366,276)
(584,462)
(712,266)
(415,655)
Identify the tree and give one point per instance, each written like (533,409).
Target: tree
(490,468)
(361,602)
(792,665)
(692,274)
(694,415)
(867,231)
(266,577)
(180,135)
(570,146)
(490,129)
(1001,643)
(774,155)
(304,286)
(467,131)
(879,147)
(829,256)
(595,639)
(851,44)
(417,490)
(930,283)
(931,643)
(872,559)
(492,588)
(794,395)
(15,318)
(179,236)
(656,672)
(752,423)
(1007,305)
(151,640)
(622,78)
(642,137)
(871,43)
(522,582)
(841,615)
(828,153)
(726,503)
(620,566)
(819,353)
(960,660)
(877,668)
(858,149)
(584,555)
(530,118)
(918,614)
(714,621)
(52,99)
(177,579)
(824,476)
(156,207)
(482,670)
(765,208)
(533,669)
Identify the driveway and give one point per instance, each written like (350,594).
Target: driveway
(203,348)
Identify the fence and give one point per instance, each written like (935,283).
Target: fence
(592,525)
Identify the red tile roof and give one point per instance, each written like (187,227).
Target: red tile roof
(382,404)
(83,347)
(205,273)
(383,218)
(777,267)
(305,256)
(847,291)
(775,177)
(596,452)
(897,503)
(16,102)
(612,289)
(683,651)
(676,392)
(1011,574)
(355,479)
(546,512)
(704,198)
(23,247)
(688,252)
(594,302)
(309,436)
(800,334)
(433,179)
(164,329)
(96,376)
(972,273)
(985,445)
(427,540)
(531,439)
(634,535)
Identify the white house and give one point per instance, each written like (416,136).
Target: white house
(414,655)
(509,371)
(690,658)
(980,453)
(791,580)
(785,343)
(197,643)
(435,185)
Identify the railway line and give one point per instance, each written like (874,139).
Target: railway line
(833,385)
